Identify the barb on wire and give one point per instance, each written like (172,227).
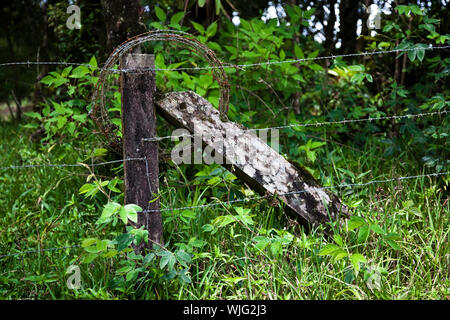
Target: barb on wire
(36,251)
(58,63)
(299,191)
(318,124)
(70,165)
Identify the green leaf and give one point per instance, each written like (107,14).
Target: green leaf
(349,276)
(377,229)
(183,257)
(420,54)
(222,221)
(261,242)
(110,209)
(184,278)
(356,68)
(34,115)
(131,211)
(201,3)
(197,243)
(123,241)
(416,10)
(338,239)
(123,215)
(313,54)
(339,254)
(393,236)
(88,242)
(208,228)
(357,78)
(48,80)
(329,249)
(80,117)
(100,152)
(393,244)
(176,18)
(167,259)
(356,259)
(71,127)
(132,275)
(109,254)
(61,122)
(198,27)
(79,72)
(160,14)
(315,67)
(148,258)
(218,6)
(412,54)
(214,180)
(60,81)
(86,188)
(363,233)
(211,30)
(298,52)
(140,235)
(93,62)
(66,71)
(102,245)
(90,257)
(189,214)
(355,222)
(276,248)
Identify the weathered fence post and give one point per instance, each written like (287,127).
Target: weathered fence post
(251,159)
(138,122)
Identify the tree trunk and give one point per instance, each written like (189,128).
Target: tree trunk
(43,55)
(329,28)
(349,15)
(122,20)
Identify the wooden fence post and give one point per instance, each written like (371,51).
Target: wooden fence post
(138,122)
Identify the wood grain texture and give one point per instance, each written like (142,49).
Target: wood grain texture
(251,159)
(138,122)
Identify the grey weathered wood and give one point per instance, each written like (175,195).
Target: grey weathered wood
(138,122)
(250,158)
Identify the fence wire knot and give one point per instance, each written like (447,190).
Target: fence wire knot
(99,112)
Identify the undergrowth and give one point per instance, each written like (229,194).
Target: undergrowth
(395,246)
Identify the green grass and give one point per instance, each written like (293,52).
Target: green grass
(41,208)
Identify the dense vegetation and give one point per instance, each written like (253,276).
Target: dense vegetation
(395,245)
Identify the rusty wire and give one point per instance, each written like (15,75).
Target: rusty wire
(99,112)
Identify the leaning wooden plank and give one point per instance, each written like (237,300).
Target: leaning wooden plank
(250,158)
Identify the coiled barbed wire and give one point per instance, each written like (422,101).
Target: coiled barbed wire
(99,112)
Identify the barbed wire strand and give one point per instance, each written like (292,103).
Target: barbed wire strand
(243,66)
(317,124)
(299,192)
(36,251)
(244,200)
(227,65)
(370,119)
(70,165)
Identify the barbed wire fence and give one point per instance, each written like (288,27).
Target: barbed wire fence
(241,67)
(227,65)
